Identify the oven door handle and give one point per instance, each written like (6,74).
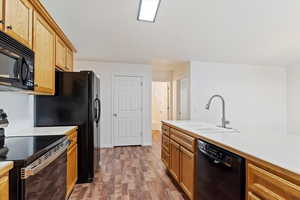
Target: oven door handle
(42,162)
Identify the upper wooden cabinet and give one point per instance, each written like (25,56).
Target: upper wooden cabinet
(1,15)
(44,48)
(69,66)
(60,53)
(18,20)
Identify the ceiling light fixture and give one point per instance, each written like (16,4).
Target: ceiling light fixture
(148,10)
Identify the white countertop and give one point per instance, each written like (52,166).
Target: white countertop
(42,131)
(282,150)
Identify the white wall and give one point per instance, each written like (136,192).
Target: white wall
(180,72)
(162,76)
(255,95)
(106,72)
(293,99)
(19,108)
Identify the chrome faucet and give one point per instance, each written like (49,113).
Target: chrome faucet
(224,121)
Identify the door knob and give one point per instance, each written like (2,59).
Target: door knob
(115,115)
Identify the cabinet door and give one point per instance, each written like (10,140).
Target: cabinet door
(18,21)
(1,15)
(4,184)
(60,53)
(187,172)
(266,184)
(165,157)
(69,66)
(72,169)
(43,45)
(174,160)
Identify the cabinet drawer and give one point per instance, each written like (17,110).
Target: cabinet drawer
(264,184)
(183,139)
(165,157)
(165,130)
(165,143)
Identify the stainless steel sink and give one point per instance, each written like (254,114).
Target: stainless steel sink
(216,130)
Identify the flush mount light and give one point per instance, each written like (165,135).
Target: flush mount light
(148,10)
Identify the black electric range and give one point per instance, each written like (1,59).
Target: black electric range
(37,160)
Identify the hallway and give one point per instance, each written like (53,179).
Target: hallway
(130,173)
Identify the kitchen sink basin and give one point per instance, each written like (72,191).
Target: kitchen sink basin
(216,130)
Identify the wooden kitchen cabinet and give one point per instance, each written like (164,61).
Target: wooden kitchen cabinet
(4,187)
(174,167)
(44,48)
(179,158)
(72,169)
(4,180)
(72,162)
(2,15)
(267,183)
(251,196)
(60,53)
(187,171)
(70,60)
(19,21)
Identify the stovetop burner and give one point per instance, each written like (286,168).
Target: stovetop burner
(24,150)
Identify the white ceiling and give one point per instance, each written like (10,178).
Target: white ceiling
(265,32)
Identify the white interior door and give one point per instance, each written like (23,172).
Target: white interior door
(160,103)
(184,99)
(127,111)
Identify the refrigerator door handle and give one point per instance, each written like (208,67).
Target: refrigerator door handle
(98,115)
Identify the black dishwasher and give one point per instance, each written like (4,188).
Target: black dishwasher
(220,174)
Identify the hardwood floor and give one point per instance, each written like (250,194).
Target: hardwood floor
(130,173)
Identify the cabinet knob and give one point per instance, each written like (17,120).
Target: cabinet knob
(9,27)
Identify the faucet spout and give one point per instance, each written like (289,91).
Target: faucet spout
(224,121)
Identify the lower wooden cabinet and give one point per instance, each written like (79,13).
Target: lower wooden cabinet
(4,187)
(165,157)
(174,167)
(267,183)
(187,171)
(72,163)
(179,160)
(252,196)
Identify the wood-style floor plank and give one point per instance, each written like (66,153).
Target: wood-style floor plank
(130,173)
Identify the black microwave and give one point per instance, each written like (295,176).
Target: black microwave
(16,65)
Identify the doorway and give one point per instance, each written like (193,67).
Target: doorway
(161,104)
(127,110)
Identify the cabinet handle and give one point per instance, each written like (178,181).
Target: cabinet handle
(1,21)
(36,85)
(9,27)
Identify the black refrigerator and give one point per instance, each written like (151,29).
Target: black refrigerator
(76,103)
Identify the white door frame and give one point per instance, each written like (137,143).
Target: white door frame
(113,100)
